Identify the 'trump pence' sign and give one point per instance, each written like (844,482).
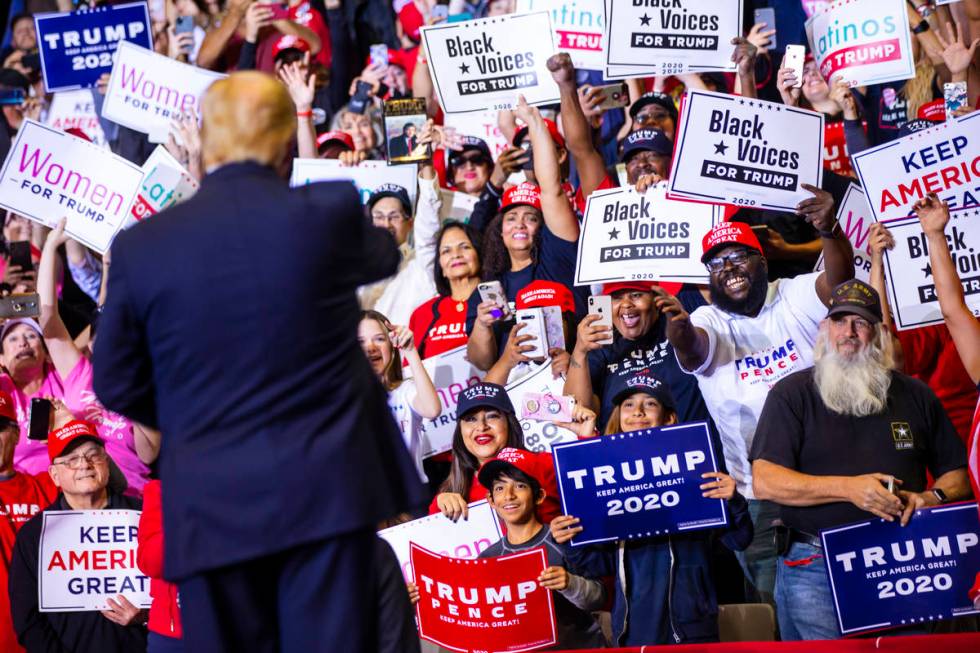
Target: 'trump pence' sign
(148,90)
(746,152)
(49,174)
(862,41)
(484,64)
(87,556)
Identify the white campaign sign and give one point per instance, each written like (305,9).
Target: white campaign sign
(577,26)
(451,373)
(466,538)
(75,109)
(911,288)
(147,90)
(87,556)
(482,124)
(49,174)
(628,236)
(645,37)
(746,152)
(855,218)
(366,175)
(456,205)
(539,436)
(944,160)
(862,41)
(486,63)
(165,183)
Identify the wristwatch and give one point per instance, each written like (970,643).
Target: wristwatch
(923,26)
(940,495)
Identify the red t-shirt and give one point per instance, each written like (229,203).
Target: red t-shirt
(21,497)
(931,357)
(438,326)
(165,609)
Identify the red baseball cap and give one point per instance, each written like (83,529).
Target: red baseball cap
(728,233)
(552,129)
(524,193)
(289,41)
(335,135)
(538,466)
(7,409)
(69,434)
(545,293)
(646,286)
(934,111)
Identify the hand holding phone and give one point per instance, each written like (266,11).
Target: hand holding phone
(614,96)
(533,320)
(493,292)
(40,419)
(601,305)
(767,15)
(795,54)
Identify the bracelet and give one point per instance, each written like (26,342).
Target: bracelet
(828,234)
(305,114)
(926,9)
(923,26)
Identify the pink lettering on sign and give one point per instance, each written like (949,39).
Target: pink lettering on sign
(579,40)
(861,55)
(71,181)
(136,82)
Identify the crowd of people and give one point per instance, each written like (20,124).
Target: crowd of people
(128,420)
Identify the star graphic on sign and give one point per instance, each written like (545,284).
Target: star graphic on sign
(644,20)
(463,68)
(927,270)
(721,148)
(614,234)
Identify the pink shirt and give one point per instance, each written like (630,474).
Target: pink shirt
(76,392)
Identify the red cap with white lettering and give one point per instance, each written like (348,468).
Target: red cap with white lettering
(523,193)
(538,466)
(545,293)
(728,233)
(70,433)
(7,410)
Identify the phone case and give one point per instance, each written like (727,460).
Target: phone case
(554,327)
(794,59)
(614,96)
(601,305)
(954,95)
(546,407)
(533,319)
(767,15)
(493,292)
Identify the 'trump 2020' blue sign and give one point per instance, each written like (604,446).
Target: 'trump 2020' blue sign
(76,46)
(883,575)
(639,484)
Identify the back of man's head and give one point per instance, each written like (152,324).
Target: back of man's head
(247,116)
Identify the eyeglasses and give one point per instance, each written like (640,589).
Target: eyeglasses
(737,259)
(96,457)
(859,323)
(651,117)
(391,218)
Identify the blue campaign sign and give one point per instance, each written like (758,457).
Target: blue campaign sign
(639,484)
(76,47)
(884,575)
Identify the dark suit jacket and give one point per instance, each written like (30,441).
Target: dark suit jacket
(231,324)
(400,146)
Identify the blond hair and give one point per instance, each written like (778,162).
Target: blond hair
(247,116)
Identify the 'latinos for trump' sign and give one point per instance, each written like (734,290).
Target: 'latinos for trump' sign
(884,575)
(366,175)
(165,184)
(862,41)
(49,174)
(577,26)
(490,604)
(640,484)
(486,63)
(944,159)
(628,236)
(854,217)
(746,152)
(87,556)
(653,37)
(76,46)
(148,90)
(911,287)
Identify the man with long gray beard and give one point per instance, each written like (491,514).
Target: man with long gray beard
(830,441)
(753,334)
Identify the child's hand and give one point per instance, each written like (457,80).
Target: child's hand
(413,593)
(564,528)
(554,578)
(453,505)
(721,488)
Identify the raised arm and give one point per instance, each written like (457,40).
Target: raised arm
(838,254)
(689,342)
(216,40)
(60,345)
(301,90)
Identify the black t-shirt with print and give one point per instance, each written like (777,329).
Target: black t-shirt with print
(913,434)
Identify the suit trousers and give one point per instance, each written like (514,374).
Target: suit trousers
(315,597)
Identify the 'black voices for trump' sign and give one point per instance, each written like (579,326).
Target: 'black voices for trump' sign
(485,64)
(746,152)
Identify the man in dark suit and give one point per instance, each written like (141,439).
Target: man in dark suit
(231,326)
(402,146)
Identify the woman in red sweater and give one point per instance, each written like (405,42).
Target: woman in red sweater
(164,625)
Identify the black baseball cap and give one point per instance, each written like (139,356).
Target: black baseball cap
(471,144)
(626,385)
(652,140)
(391,190)
(654,97)
(857,298)
(484,395)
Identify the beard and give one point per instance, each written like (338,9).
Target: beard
(851,384)
(758,288)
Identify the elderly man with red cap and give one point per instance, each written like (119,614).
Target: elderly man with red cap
(753,334)
(80,469)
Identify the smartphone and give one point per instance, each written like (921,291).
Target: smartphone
(954,95)
(40,419)
(20,305)
(185,25)
(533,319)
(12,96)
(492,291)
(546,407)
(379,54)
(440,11)
(795,54)
(601,305)
(31,61)
(280,11)
(526,146)
(361,98)
(20,254)
(554,326)
(767,15)
(614,96)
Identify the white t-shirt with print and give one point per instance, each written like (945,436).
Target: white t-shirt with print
(748,355)
(400,402)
